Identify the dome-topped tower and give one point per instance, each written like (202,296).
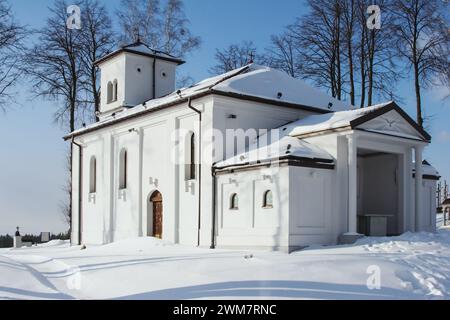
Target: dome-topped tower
(134,74)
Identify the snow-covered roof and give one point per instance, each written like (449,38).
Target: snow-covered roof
(284,147)
(428,169)
(353,118)
(251,81)
(141,49)
(265,82)
(328,121)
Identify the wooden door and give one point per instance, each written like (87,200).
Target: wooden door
(156,200)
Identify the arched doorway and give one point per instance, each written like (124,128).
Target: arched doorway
(156,204)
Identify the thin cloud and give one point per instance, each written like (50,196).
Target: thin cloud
(444,136)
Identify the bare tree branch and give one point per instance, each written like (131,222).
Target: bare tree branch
(233,57)
(97,40)
(166,30)
(423,40)
(11,47)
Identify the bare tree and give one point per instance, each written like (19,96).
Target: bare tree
(176,38)
(65,205)
(361,48)
(381,68)
(283,54)
(54,65)
(11,36)
(349,17)
(97,40)
(422,37)
(318,38)
(233,57)
(337,10)
(166,30)
(140,20)
(445,79)
(370,52)
(56,69)
(333,47)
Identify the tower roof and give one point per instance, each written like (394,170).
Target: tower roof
(142,49)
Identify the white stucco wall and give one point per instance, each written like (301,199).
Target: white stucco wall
(301,214)
(111,70)
(311,209)
(112,214)
(427,218)
(246,115)
(252,226)
(134,87)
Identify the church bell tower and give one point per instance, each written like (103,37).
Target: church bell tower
(134,74)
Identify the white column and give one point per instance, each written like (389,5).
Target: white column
(142,208)
(408,181)
(352,184)
(418,189)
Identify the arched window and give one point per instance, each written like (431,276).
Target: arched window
(190,156)
(114,98)
(268,199)
(109,92)
(234,202)
(123,169)
(93,175)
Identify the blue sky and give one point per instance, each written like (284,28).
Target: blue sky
(32,161)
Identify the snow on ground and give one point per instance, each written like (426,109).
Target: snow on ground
(411,266)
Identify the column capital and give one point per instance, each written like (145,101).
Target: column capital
(351,137)
(419,147)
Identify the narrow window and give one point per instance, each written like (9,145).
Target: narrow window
(93,175)
(268,200)
(190,157)
(109,92)
(114,90)
(123,170)
(234,202)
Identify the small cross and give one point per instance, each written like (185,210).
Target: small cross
(252,56)
(137,35)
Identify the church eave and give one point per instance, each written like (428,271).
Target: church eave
(134,115)
(196,96)
(287,104)
(285,160)
(117,52)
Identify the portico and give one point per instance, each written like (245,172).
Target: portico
(379,169)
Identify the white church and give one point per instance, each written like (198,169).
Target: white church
(249,159)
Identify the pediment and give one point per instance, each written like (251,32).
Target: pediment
(392,123)
(391,120)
